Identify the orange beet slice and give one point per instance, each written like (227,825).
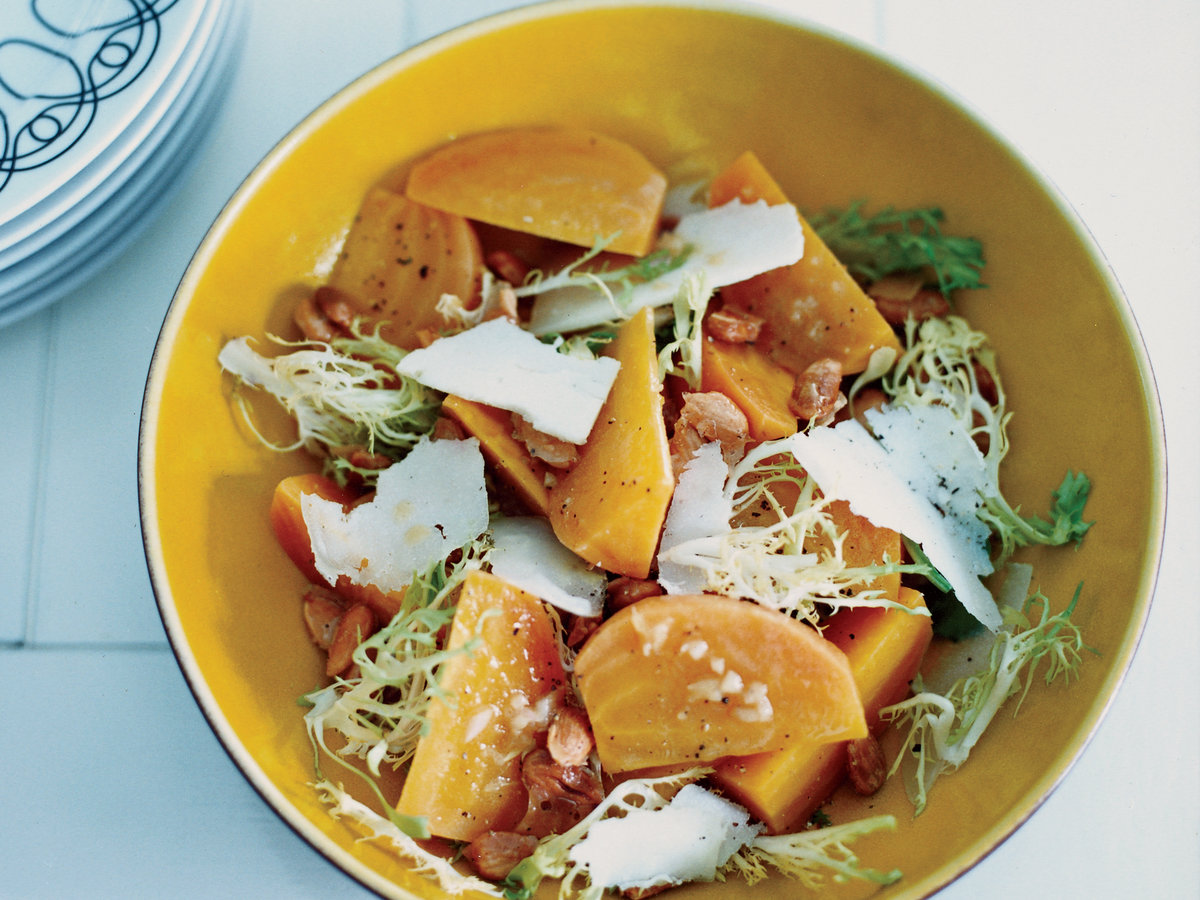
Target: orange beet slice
(885,648)
(610,507)
(287,522)
(685,679)
(812,309)
(568,184)
(399,258)
(509,458)
(760,387)
(466,773)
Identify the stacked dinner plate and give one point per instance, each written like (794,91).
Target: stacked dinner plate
(102,103)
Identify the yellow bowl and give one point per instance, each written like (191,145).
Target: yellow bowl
(698,83)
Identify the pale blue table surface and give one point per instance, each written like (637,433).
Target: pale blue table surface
(111,783)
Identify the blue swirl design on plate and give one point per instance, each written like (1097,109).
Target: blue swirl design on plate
(52,86)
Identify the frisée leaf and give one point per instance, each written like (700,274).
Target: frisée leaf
(943,728)
(743,532)
(376,827)
(949,364)
(380,712)
(807,855)
(345,393)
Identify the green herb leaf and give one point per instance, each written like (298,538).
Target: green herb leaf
(1065,525)
(893,240)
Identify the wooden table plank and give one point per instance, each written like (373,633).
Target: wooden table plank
(24,358)
(114,786)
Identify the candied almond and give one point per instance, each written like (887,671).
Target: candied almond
(322,611)
(817,391)
(626,590)
(865,765)
(559,796)
(494,853)
(708,416)
(570,740)
(733,326)
(355,626)
(927,303)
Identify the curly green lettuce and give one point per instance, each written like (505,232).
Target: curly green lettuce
(375,827)
(342,394)
(948,363)
(808,856)
(942,729)
(380,713)
(782,547)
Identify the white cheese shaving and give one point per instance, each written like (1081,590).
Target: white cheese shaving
(428,504)
(923,477)
(687,840)
(699,509)
(238,358)
(529,556)
(730,243)
(500,364)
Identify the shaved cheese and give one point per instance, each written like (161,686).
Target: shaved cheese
(923,477)
(687,840)
(428,504)
(500,364)
(699,509)
(528,555)
(729,244)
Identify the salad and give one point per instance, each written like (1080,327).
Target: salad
(639,507)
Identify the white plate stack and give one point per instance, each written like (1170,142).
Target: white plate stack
(102,103)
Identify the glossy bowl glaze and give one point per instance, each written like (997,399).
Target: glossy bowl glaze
(692,86)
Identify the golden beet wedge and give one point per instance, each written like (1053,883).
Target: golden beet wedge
(509,458)
(567,184)
(609,509)
(686,679)
(812,309)
(397,261)
(466,773)
(885,648)
(759,386)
